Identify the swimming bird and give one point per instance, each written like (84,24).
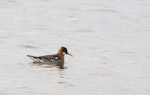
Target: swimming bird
(54,59)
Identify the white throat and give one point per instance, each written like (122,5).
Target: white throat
(64,53)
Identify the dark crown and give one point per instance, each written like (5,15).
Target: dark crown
(64,49)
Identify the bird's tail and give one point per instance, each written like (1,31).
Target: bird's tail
(34,58)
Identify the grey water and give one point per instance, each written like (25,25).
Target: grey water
(109,41)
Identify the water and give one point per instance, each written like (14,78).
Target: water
(109,41)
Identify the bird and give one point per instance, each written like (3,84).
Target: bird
(54,59)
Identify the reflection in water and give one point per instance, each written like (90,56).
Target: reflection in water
(63,80)
(60,75)
(45,65)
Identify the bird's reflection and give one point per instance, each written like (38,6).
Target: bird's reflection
(48,65)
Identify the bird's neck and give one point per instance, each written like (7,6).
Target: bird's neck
(61,64)
(60,54)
